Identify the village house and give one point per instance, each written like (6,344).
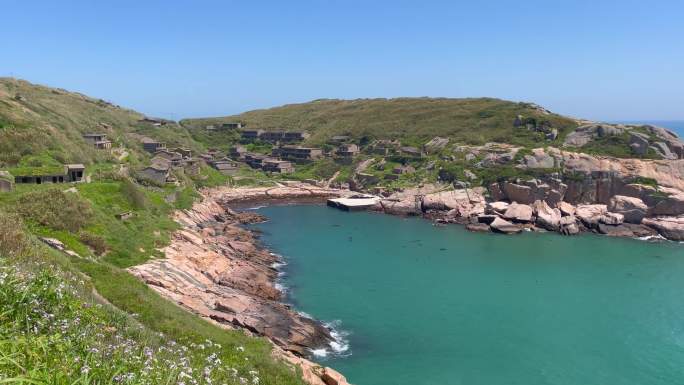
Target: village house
(271,136)
(237,152)
(347,151)
(251,135)
(255,160)
(185,152)
(225,166)
(99,141)
(294,136)
(411,151)
(70,173)
(436,144)
(339,139)
(232,126)
(154,121)
(150,145)
(278,166)
(297,153)
(6,182)
(175,158)
(157,172)
(385,147)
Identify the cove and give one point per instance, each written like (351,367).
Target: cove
(430,305)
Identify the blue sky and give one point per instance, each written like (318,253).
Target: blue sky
(605,60)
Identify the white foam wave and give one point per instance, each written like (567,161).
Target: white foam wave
(255,208)
(280,287)
(652,238)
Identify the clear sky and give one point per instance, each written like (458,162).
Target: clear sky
(604,60)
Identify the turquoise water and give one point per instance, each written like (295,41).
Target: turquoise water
(440,305)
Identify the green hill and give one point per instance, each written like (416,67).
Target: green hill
(40,124)
(412,120)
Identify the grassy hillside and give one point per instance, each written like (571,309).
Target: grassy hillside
(53,328)
(413,120)
(42,125)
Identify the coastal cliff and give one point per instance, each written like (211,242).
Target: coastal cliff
(215,268)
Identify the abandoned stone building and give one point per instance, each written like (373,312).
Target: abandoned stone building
(278,166)
(238,152)
(175,159)
(70,173)
(99,141)
(156,172)
(251,135)
(347,151)
(385,147)
(226,166)
(297,153)
(6,182)
(255,160)
(411,151)
(339,139)
(232,126)
(150,145)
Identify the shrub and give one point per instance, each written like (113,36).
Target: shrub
(133,193)
(55,209)
(95,242)
(13,240)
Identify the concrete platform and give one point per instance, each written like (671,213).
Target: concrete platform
(358,202)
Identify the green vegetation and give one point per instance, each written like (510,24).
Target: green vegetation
(617,146)
(413,120)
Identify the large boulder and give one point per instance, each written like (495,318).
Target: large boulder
(519,212)
(496,207)
(547,217)
(626,230)
(518,193)
(669,227)
(504,226)
(590,215)
(613,219)
(633,209)
(639,143)
(672,204)
(566,208)
(406,206)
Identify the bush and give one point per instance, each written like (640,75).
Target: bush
(13,240)
(133,193)
(55,209)
(95,242)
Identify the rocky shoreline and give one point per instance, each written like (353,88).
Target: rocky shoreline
(216,269)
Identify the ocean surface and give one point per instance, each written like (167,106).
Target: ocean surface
(423,305)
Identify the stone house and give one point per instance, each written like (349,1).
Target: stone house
(225,166)
(238,152)
(297,153)
(70,173)
(232,126)
(6,181)
(294,136)
(251,135)
(339,139)
(255,160)
(156,172)
(278,166)
(385,147)
(411,151)
(99,141)
(150,145)
(347,151)
(175,158)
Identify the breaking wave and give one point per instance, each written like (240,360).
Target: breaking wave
(339,346)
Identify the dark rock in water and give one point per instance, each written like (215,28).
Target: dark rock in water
(626,230)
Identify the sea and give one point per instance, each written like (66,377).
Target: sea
(416,304)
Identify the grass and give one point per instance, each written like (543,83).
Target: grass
(85,352)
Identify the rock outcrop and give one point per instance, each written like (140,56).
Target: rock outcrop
(669,227)
(215,268)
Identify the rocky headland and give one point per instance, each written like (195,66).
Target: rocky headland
(612,196)
(215,268)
